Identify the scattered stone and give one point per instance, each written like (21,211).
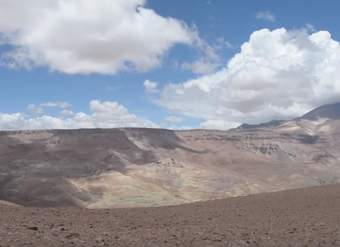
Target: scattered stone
(72,235)
(33,228)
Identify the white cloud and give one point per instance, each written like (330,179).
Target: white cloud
(208,56)
(266,16)
(174,119)
(10,121)
(40,109)
(36,109)
(56,104)
(310,28)
(277,74)
(86,36)
(66,113)
(218,124)
(201,66)
(105,114)
(151,86)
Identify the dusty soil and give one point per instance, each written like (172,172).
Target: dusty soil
(305,217)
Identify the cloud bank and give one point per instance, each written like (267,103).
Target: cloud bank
(106,114)
(278,74)
(86,36)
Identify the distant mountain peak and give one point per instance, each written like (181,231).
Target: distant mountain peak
(269,124)
(331,111)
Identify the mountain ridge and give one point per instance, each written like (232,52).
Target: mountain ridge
(137,167)
(331,111)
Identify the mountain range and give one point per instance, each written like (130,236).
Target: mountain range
(132,167)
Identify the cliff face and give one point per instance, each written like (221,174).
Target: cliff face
(105,168)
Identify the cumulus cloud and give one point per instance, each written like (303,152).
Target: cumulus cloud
(278,74)
(86,36)
(151,86)
(66,113)
(266,16)
(106,114)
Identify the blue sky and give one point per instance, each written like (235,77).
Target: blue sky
(222,26)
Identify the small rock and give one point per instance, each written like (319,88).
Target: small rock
(33,228)
(72,235)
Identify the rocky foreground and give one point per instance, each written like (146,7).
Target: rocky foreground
(304,217)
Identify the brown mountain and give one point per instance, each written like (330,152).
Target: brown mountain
(105,168)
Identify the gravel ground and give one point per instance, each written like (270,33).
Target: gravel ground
(305,217)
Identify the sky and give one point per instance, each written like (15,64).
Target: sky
(175,64)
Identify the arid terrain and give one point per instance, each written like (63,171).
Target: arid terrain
(116,168)
(102,187)
(305,217)
(169,123)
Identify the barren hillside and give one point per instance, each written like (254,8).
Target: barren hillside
(106,168)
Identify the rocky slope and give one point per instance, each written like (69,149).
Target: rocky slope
(305,217)
(105,168)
